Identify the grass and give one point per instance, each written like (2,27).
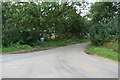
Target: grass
(16,47)
(0,50)
(60,42)
(111,45)
(45,44)
(102,51)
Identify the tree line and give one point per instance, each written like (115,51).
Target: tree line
(26,22)
(105,22)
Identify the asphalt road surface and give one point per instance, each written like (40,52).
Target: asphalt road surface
(63,62)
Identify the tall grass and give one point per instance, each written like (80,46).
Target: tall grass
(102,51)
(45,44)
(15,47)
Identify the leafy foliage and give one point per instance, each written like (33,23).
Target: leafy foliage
(105,22)
(39,45)
(26,22)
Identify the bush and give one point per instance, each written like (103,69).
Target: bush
(16,47)
(11,36)
(98,34)
(29,37)
(111,45)
(102,33)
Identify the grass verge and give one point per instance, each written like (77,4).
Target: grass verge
(16,48)
(59,43)
(102,51)
(45,44)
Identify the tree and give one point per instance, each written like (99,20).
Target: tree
(28,20)
(103,15)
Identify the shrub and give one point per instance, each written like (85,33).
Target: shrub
(16,47)
(102,33)
(11,36)
(111,45)
(98,35)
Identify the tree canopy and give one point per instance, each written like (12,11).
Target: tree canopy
(26,22)
(104,22)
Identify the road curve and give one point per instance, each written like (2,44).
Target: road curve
(63,62)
